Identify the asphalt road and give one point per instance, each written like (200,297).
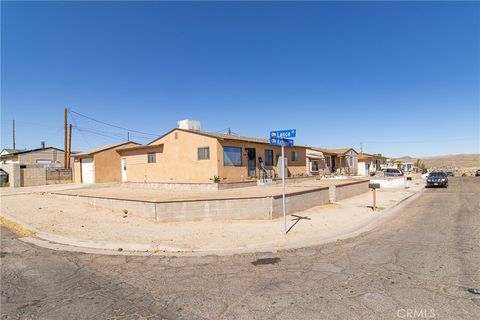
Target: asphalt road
(417,265)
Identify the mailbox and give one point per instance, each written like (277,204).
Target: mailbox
(374,185)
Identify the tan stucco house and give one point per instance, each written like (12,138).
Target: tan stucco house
(370,163)
(100,165)
(341,161)
(193,156)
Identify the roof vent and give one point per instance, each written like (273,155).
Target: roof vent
(188,124)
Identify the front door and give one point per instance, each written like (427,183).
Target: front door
(251,162)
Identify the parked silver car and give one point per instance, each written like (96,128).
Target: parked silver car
(392,172)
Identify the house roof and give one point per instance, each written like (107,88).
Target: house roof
(340,151)
(365,156)
(32,150)
(221,136)
(315,154)
(11,151)
(103,148)
(142,147)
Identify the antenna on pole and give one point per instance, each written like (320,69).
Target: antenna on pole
(13,135)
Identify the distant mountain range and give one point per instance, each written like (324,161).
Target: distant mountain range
(463,160)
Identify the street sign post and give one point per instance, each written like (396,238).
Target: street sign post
(291,133)
(281,142)
(282,138)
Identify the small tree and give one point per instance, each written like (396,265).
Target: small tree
(418,163)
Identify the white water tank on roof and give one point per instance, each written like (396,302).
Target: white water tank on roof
(189,124)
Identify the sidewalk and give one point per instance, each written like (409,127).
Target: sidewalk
(76,224)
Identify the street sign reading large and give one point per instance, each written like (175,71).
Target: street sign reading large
(292,133)
(281,142)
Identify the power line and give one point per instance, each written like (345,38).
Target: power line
(81,133)
(117,134)
(113,125)
(98,134)
(54,134)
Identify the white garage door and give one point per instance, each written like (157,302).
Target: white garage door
(87,171)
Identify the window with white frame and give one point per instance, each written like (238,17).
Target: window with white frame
(204,153)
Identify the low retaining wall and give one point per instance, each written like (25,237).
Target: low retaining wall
(252,208)
(350,189)
(299,201)
(210,210)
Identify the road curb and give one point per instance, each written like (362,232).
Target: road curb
(57,242)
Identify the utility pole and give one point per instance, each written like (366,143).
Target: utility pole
(13,134)
(229,131)
(65,133)
(69,145)
(361,147)
(128,135)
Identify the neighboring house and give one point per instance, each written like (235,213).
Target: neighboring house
(10,151)
(315,162)
(365,164)
(319,161)
(370,163)
(101,164)
(408,166)
(341,161)
(194,156)
(48,157)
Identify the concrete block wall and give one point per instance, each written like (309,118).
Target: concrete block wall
(215,210)
(142,209)
(350,189)
(33,177)
(300,201)
(13,170)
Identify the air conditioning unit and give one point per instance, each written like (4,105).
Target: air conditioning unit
(188,124)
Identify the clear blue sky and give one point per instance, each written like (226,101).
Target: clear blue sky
(403,78)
